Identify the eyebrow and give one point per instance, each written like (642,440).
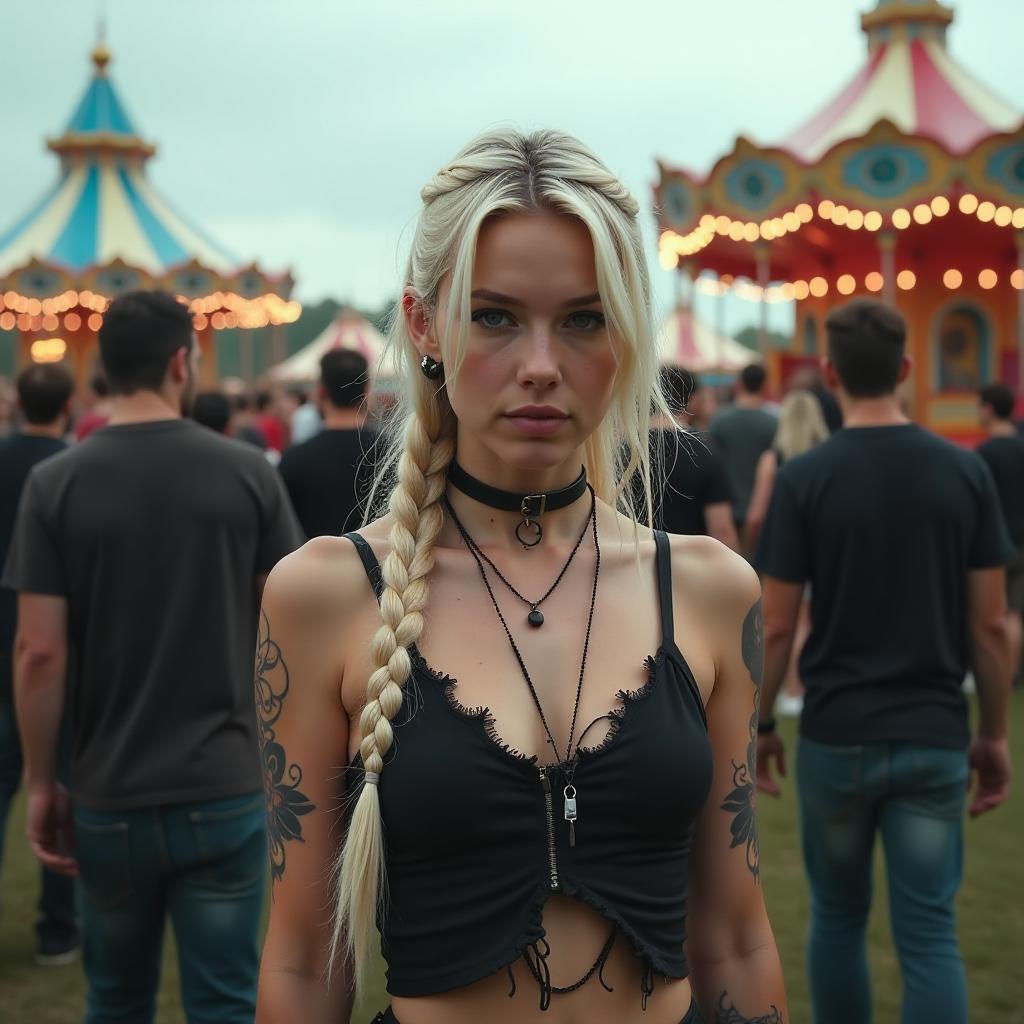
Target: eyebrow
(507,300)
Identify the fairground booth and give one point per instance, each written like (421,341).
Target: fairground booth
(908,185)
(101,230)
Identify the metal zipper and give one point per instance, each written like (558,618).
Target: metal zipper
(549,811)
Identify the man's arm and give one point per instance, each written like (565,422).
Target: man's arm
(781,612)
(718,519)
(990,660)
(40,666)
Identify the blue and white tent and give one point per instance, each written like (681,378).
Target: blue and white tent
(104,228)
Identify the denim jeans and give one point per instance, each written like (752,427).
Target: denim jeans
(914,797)
(57,924)
(204,865)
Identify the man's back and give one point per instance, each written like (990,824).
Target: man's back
(328,479)
(155,533)
(18,454)
(694,479)
(1005,458)
(742,436)
(885,522)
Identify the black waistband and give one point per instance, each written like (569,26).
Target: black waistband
(388,1016)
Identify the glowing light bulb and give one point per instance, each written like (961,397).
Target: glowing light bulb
(826,208)
(952,278)
(986,211)
(804,212)
(722,224)
(1016,279)
(940,206)
(906,279)
(855,220)
(1003,216)
(988,278)
(840,215)
(922,213)
(874,282)
(819,287)
(1018,218)
(72,322)
(736,231)
(968,203)
(792,220)
(872,220)
(751,232)
(846,285)
(900,219)
(801,290)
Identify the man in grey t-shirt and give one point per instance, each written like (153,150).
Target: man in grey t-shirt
(743,432)
(138,558)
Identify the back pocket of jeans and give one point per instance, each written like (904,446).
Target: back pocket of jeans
(232,842)
(104,861)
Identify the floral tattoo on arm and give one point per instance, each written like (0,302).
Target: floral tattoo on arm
(740,801)
(730,1015)
(286,803)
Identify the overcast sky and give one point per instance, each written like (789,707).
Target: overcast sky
(299,133)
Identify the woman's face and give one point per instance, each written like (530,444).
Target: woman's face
(539,368)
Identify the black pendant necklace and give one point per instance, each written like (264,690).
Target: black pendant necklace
(570,761)
(536,616)
(530,506)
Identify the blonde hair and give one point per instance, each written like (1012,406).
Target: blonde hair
(801,424)
(500,172)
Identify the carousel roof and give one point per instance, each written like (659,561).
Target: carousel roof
(914,83)
(102,208)
(348,329)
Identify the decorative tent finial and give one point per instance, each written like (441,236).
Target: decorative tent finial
(905,20)
(100,53)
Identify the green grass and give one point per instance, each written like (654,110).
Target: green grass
(991,922)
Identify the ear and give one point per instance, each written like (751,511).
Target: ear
(419,324)
(179,365)
(906,365)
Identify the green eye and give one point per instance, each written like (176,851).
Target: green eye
(586,321)
(492,319)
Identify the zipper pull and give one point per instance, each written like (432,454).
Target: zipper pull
(570,812)
(545,782)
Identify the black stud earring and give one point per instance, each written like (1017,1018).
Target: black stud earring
(431,368)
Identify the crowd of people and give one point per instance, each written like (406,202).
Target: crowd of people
(137,534)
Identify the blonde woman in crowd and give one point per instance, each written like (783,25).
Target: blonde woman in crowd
(505,721)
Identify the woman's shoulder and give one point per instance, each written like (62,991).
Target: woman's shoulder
(325,574)
(723,578)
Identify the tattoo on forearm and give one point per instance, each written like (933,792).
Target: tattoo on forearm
(740,802)
(730,1015)
(286,803)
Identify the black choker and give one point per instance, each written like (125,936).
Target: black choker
(530,506)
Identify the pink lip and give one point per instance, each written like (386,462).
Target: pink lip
(537,420)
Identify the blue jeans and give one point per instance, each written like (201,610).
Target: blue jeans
(914,796)
(57,924)
(202,863)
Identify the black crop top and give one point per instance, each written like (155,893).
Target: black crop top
(474,845)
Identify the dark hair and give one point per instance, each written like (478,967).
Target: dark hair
(678,386)
(865,343)
(1000,397)
(752,378)
(99,385)
(44,390)
(212,409)
(242,402)
(343,374)
(263,401)
(140,333)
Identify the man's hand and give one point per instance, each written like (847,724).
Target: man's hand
(990,762)
(770,747)
(50,829)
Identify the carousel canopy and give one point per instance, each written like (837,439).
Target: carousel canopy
(689,342)
(102,229)
(348,330)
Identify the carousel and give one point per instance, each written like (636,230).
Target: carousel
(102,230)
(907,185)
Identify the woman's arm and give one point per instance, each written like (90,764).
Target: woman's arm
(757,510)
(735,969)
(303,731)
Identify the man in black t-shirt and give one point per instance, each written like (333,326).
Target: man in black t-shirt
(695,498)
(902,540)
(328,477)
(1004,453)
(44,396)
(138,559)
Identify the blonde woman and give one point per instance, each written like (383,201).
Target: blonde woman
(801,427)
(521,726)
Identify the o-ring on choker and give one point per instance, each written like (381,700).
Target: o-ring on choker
(530,506)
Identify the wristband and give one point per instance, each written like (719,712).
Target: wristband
(765,727)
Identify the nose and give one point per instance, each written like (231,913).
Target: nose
(539,366)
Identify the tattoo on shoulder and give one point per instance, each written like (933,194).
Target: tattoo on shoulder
(740,802)
(286,803)
(728,1014)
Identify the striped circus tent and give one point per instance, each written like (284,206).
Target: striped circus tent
(687,341)
(913,82)
(103,229)
(349,330)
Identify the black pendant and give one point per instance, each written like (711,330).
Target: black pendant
(535,618)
